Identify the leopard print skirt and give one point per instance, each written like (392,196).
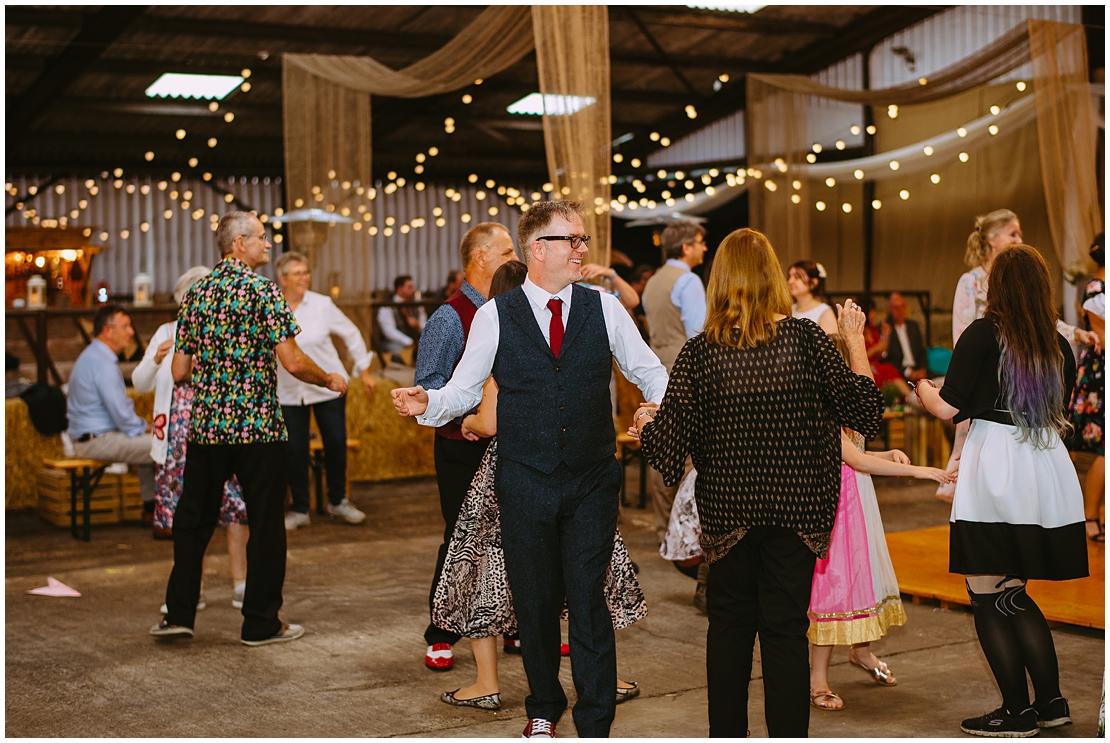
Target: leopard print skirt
(473,597)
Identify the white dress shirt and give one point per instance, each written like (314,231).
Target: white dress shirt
(635,360)
(908,361)
(319,318)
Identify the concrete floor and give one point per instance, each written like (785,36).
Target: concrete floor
(86,666)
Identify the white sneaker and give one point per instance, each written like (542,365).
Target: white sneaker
(238,594)
(346,511)
(201,606)
(295,520)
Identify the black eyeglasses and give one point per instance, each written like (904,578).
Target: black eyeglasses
(576,241)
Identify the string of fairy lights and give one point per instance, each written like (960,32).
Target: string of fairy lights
(351,200)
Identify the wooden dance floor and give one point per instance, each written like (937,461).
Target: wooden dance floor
(920,558)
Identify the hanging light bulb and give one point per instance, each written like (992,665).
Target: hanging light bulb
(928,151)
(820,206)
(846,207)
(903,194)
(858,174)
(149,156)
(935,178)
(964,157)
(876,204)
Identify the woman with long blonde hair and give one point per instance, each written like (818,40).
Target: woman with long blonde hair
(1018,507)
(757,400)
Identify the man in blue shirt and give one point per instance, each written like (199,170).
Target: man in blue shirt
(102,420)
(484,249)
(674,303)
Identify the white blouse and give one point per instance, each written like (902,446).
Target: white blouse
(970,303)
(319,319)
(813,314)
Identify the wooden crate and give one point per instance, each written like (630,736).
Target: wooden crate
(115,498)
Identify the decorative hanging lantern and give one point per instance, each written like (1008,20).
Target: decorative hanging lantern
(36,292)
(143,291)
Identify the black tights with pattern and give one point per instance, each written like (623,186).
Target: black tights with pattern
(1015,637)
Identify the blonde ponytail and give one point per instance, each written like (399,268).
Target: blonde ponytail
(986,226)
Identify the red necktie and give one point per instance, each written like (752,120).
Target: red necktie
(556,331)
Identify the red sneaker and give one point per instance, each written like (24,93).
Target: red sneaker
(537,728)
(512,647)
(439,657)
(564,649)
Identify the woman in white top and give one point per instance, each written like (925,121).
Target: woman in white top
(319,319)
(993,232)
(172,408)
(806,282)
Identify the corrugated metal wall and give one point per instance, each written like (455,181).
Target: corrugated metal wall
(954,34)
(721,140)
(355,261)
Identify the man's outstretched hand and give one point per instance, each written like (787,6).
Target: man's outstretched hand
(410,401)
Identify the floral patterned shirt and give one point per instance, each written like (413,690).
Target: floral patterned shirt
(231,321)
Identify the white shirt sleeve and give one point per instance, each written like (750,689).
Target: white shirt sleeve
(464,390)
(388,323)
(634,358)
(1096,305)
(341,325)
(143,376)
(963,306)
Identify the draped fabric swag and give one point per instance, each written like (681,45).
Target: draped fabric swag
(326,102)
(778,134)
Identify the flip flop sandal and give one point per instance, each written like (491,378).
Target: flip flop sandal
(880,674)
(825,697)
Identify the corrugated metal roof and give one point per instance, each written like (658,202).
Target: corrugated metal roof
(954,34)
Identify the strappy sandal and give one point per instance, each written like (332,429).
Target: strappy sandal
(825,697)
(880,674)
(1099,537)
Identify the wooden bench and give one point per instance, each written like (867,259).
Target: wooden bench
(84,475)
(317,462)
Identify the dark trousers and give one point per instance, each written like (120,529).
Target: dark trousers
(456,464)
(557,533)
(331,419)
(262,469)
(760,587)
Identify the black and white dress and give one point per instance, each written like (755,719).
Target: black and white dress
(1018,509)
(473,597)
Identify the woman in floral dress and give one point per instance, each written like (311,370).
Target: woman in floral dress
(173,402)
(1085,411)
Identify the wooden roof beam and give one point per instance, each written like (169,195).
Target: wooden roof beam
(108,24)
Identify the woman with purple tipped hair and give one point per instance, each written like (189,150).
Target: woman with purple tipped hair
(1017,513)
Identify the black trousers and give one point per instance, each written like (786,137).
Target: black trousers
(456,464)
(557,532)
(331,419)
(262,469)
(760,587)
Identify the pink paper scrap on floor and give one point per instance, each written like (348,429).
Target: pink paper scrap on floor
(55,588)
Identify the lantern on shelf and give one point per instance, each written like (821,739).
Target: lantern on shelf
(36,292)
(143,291)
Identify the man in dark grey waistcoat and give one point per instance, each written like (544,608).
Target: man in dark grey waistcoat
(557,478)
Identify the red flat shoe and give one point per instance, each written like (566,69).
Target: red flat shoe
(439,657)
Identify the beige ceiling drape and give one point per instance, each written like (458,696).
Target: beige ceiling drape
(1066,137)
(778,130)
(501,36)
(326,100)
(572,57)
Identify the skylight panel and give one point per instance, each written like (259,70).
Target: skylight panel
(534,104)
(179,85)
(730,7)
